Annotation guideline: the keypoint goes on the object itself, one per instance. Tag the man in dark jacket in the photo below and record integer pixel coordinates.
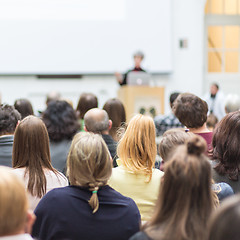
(97, 121)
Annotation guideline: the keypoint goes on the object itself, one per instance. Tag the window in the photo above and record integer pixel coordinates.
(223, 37)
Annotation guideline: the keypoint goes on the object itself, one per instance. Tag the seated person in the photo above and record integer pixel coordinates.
(138, 57)
(192, 113)
(185, 200)
(165, 122)
(176, 137)
(96, 120)
(86, 102)
(224, 222)
(24, 107)
(135, 177)
(232, 103)
(9, 118)
(211, 121)
(87, 209)
(116, 112)
(226, 154)
(62, 124)
(15, 218)
(31, 160)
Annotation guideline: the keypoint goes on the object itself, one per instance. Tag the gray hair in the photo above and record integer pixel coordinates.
(232, 103)
(96, 120)
(138, 54)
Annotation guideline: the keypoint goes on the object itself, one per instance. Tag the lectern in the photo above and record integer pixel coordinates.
(142, 99)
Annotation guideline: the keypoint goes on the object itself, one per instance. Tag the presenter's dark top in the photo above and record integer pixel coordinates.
(64, 213)
(124, 82)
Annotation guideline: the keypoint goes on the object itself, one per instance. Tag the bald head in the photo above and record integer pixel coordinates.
(96, 120)
(53, 96)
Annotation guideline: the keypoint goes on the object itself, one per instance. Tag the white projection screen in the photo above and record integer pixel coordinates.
(84, 36)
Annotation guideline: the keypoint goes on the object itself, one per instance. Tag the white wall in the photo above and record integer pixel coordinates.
(188, 23)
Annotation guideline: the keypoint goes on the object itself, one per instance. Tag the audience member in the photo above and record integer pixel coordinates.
(15, 218)
(215, 100)
(138, 57)
(224, 223)
(211, 122)
(175, 137)
(116, 112)
(96, 120)
(165, 122)
(86, 102)
(192, 113)
(24, 107)
(9, 118)
(185, 200)
(87, 209)
(226, 153)
(232, 103)
(31, 159)
(171, 139)
(53, 96)
(135, 176)
(62, 124)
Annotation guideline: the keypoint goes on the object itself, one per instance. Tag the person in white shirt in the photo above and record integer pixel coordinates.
(216, 101)
(15, 219)
(31, 159)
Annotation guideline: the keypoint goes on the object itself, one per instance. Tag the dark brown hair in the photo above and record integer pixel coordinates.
(24, 107)
(86, 102)
(190, 110)
(226, 142)
(185, 199)
(9, 118)
(60, 120)
(224, 223)
(31, 150)
(116, 112)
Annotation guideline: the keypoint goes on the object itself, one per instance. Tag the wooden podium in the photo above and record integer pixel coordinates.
(142, 99)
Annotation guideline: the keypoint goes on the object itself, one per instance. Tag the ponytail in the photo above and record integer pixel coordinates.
(93, 201)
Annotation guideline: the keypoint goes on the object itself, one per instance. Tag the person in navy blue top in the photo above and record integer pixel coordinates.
(88, 209)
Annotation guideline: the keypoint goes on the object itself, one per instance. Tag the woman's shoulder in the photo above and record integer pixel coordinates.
(56, 178)
(19, 171)
(157, 173)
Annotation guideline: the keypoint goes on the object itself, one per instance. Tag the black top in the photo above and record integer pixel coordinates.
(224, 178)
(124, 82)
(6, 145)
(64, 213)
(59, 152)
(112, 147)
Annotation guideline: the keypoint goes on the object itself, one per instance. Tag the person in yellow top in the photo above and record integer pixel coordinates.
(135, 177)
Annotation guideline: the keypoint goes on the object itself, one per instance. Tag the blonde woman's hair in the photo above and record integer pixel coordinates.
(137, 147)
(13, 203)
(89, 164)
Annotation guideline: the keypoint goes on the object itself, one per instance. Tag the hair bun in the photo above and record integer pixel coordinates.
(196, 145)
